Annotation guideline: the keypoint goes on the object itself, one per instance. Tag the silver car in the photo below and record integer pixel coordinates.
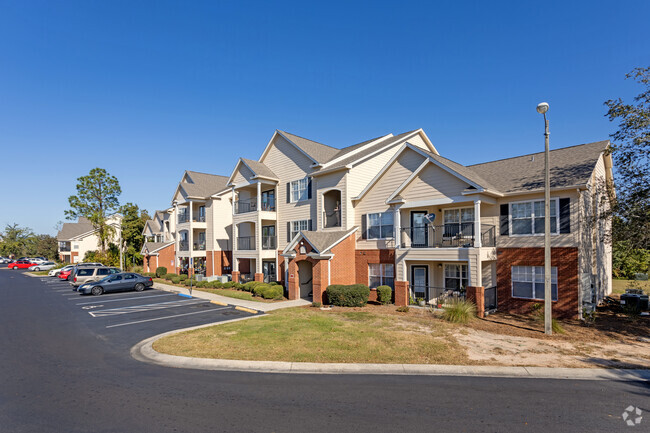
(45, 266)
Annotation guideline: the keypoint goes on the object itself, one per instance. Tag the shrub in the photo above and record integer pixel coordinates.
(176, 280)
(138, 269)
(272, 292)
(384, 294)
(216, 285)
(403, 309)
(355, 295)
(237, 286)
(228, 285)
(250, 286)
(149, 274)
(168, 277)
(183, 277)
(258, 289)
(316, 304)
(459, 311)
(160, 271)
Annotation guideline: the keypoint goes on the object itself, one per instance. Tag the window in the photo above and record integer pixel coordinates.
(528, 282)
(103, 271)
(380, 225)
(527, 218)
(129, 277)
(459, 221)
(297, 226)
(455, 277)
(299, 190)
(380, 275)
(85, 272)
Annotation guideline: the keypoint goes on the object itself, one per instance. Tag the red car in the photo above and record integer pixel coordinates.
(20, 264)
(65, 274)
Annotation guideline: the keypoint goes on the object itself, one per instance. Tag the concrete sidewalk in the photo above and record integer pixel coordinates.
(259, 306)
(144, 352)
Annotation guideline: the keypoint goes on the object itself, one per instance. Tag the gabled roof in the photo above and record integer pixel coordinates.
(153, 247)
(259, 169)
(150, 226)
(321, 241)
(319, 152)
(72, 230)
(201, 185)
(569, 166)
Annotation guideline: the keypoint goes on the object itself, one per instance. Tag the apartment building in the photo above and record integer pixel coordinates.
(393, 211)
(76, 239)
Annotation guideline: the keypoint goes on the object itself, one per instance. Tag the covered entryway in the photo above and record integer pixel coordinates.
(305, 278)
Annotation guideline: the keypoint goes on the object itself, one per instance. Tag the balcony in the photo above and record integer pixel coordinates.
(183, 246)
(331, 219)
(64, 248)
(198, 218)
(183, 218)
(446, 236)
(246, 243)
(245, 206)
(199, 246)
(268, 242)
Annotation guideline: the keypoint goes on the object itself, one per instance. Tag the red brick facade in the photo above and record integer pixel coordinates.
(365, 257)
(222, 263)
(477, 296)
(566, 261)
(164, 258)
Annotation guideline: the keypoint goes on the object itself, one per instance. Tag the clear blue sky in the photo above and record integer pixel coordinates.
(147, 90)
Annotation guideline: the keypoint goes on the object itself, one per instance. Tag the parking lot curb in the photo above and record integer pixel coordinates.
(247, 310)
(184, 295)
(219, 303)
(145, 352)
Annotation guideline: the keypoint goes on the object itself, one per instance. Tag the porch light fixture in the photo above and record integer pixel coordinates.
(548, 329)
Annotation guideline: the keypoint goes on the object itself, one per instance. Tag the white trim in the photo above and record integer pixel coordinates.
(322, 203)
(557, 217)
(435, 202)
(381, 272)
(278, 132)
(380, 225)
(291, 190)
(557, 287)
(460, 263)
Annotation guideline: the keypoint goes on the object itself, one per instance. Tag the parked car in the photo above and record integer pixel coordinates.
(4, 260)
(45, 266)
(86, 274)
(116, 283)
(38, 260)
(56, 271)
(71, 274)
(20, 264)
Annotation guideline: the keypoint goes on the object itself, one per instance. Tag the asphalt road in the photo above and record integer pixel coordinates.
(65, 370)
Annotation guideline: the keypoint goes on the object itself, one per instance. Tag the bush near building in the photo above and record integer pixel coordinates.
(354, 295)
(384, 294)
(160, 271)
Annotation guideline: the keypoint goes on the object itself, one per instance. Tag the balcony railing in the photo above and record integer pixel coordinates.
(183, 218)
(198, 218)
(331, 218)
(446, 236)
(244, 206)
(245, 278)
(246, 243)
(199, 246)
(183, 246)
(64, 248)
(441, 294)
(268, 242)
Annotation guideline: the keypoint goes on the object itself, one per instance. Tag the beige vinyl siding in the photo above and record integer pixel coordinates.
(219, 227)
(375, 199)
(464, 256)
(289, 164)
(243, 175)
(418, 141)
(557, 240)
(433, 182)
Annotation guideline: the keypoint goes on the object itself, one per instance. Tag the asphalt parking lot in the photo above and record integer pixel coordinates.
(124, 318)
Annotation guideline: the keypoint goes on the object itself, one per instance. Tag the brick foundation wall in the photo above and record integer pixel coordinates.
(244, 266)
(566, 261)
(342, 267)
(365, 257)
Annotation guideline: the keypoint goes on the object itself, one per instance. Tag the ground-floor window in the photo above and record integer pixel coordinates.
(528, 282)
(455, 277)
(380, 274)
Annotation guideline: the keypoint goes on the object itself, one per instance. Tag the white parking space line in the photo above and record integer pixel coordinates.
(126, 299)
(143, 308)
(166, 317)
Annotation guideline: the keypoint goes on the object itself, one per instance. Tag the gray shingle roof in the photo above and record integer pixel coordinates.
(569, 166)
(318, 151)
(153, 246)
(467, 173)
(203, 184)
(71, 230)
(323, 241)
(259, 168)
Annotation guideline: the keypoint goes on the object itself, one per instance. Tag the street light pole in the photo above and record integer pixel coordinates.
(548, 317)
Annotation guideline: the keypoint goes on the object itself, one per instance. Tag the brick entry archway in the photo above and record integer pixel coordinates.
(305, 278)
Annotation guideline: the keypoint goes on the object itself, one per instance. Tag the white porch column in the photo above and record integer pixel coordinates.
(233, 200)
(258, 230)
(477, 223)
(398, 226)
(190, 233)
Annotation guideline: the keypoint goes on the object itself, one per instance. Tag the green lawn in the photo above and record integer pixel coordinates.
(619, 286)
(39, 273)
(312, 335)
(231, 293)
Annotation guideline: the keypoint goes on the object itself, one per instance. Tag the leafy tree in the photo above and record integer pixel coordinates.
(97, 198)
(631, 152)
(43, 245)
(15, 240)
(133, 223)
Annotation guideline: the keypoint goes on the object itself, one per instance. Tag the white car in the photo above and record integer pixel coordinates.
(56, 271)
(38, 260)
(45, 266)
(4, 260)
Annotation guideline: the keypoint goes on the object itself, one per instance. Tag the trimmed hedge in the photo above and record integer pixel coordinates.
(176, 280)
(160, 271)
(384, 294)
(169, 277)
(354, 295)
(149, 274)
(183, 277)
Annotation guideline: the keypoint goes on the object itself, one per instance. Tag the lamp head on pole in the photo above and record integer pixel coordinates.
(542, 108)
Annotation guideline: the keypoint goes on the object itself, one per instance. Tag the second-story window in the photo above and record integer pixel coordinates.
(299, 190)
(297, 226)
(380, 225)
(527, 218)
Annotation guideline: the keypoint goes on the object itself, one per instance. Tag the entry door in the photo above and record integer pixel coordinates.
(419, 233)
(420, 282)
(268, 268)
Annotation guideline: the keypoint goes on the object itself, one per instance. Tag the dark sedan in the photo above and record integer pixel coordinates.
(117, 283)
